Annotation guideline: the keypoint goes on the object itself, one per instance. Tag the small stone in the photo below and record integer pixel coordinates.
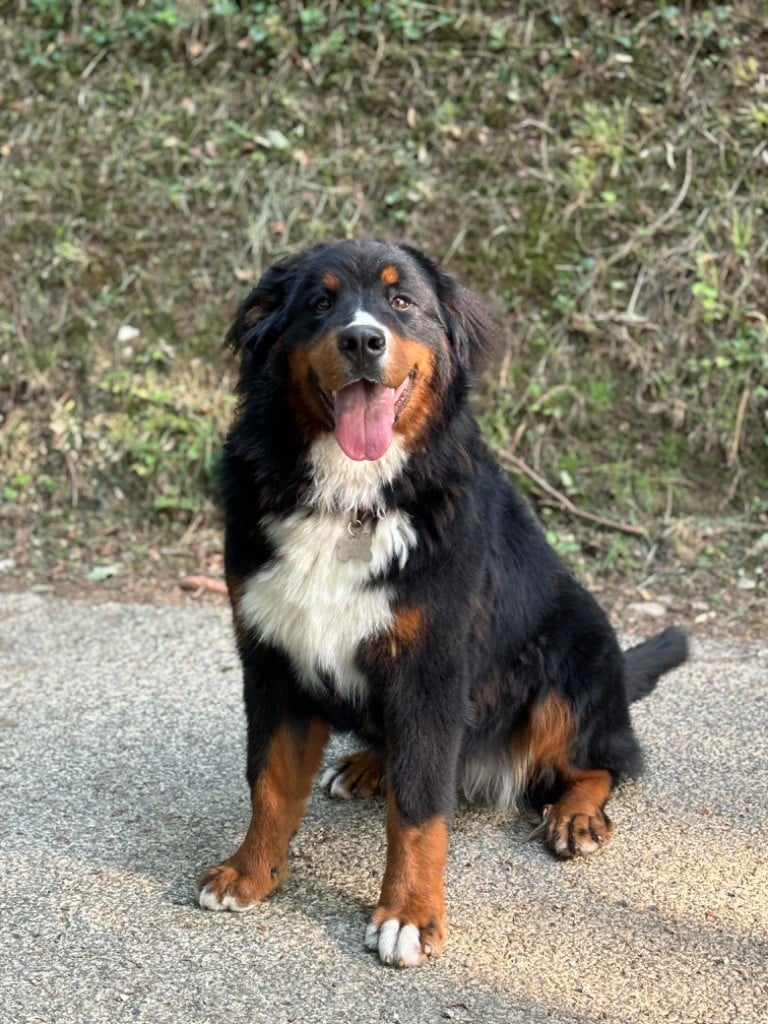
(746, 583)
(127, 333)
(653, 609)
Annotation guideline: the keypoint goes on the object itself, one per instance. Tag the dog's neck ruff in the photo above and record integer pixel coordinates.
(340, 485)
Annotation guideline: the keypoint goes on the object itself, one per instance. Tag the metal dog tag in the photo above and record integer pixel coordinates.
(357, 543)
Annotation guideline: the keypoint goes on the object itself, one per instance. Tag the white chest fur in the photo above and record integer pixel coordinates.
(317, 608)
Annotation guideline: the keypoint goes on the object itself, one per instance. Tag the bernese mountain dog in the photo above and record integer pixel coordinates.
(386, 579)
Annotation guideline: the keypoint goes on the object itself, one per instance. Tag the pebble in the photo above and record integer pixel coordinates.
(126, 333)
(653, 609)
(746, 583)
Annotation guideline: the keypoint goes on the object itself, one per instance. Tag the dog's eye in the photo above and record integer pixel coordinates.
(400, 302)
(322, 304)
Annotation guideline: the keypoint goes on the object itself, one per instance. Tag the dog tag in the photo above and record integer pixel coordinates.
(357, 543)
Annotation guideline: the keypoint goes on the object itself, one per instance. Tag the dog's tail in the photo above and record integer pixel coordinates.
(645, 663)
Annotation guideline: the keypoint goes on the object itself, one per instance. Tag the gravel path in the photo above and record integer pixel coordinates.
(121, 773)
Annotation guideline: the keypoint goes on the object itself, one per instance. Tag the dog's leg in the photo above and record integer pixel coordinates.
(409, 922)
(360, 774)
(279, 789)
(574, 822)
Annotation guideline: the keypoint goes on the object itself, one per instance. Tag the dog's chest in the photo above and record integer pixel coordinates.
(318, 608)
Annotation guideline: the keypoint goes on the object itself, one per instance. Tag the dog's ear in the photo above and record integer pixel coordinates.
(261, 317)
(471, 332)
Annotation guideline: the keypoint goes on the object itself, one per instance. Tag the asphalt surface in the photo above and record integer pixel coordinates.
(121, 775)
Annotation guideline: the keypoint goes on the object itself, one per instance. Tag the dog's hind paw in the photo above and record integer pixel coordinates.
(574, 834)
(359, 775)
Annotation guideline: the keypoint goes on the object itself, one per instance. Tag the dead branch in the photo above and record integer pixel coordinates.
(565, 502)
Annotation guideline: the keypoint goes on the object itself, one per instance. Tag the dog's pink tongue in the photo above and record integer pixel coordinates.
(364, 414)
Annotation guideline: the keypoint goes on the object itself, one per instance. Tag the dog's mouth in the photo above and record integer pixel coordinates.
(364, 413)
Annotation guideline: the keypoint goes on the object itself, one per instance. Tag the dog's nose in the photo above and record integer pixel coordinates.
(362, 340)
(362, 346)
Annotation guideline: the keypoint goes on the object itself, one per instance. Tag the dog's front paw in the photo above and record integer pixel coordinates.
(570, 833)
(224, 887)
(401, 942)
(357, 775)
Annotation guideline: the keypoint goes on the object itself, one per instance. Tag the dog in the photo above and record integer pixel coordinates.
(386, 579)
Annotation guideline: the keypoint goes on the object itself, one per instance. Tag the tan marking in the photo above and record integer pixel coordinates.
(586, 793)
(407, 625)
(404, 632)
(323, 358)
(413, 887)
(405, 356)
(390, 275)
(331, 282)
(550, 730)
(320, 360)
(278, 796)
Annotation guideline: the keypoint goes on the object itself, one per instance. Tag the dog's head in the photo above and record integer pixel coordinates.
(370, 340)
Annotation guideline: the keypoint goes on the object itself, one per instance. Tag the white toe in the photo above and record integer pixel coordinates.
(395, 944)
(561, 846)
(388, 940)
(339, 790)
(408, 951)
(208, 900)
(327, 777)
(333, 782)
(372, 936)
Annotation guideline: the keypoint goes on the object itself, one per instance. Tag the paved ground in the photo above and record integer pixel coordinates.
(121, 752)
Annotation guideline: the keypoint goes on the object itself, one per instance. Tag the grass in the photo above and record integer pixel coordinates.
(596, 171)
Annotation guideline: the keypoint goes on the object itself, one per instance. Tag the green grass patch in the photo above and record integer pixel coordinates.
(596, 172)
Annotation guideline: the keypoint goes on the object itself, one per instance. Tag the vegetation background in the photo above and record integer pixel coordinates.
(596, 170)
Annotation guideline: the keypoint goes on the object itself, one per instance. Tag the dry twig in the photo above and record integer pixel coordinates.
(733, 451)
(565, 502)
(203, 583)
